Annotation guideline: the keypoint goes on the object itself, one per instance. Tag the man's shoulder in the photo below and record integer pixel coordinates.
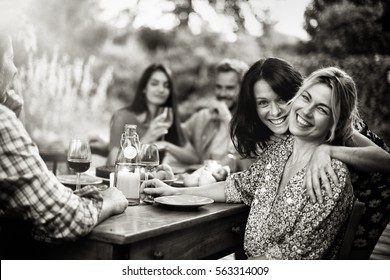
(10, 125)
(201, 115)
(6, 115)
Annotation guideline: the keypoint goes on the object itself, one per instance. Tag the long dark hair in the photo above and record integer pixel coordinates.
(139, 105)
(246, 129)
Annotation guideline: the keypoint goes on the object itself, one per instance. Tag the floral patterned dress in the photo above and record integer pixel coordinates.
(374, 190)
(288, 225)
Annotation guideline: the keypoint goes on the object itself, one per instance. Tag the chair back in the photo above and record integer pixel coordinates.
(52, 160)
(352, 225)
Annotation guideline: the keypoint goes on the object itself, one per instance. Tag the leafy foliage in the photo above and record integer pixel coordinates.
(347, 27)
(61, 91)
(70, 25)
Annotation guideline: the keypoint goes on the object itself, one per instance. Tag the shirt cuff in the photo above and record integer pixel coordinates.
(93, 193)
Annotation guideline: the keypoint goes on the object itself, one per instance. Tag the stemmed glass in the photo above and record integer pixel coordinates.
(79, 158)
(167, 114)
(149, 160)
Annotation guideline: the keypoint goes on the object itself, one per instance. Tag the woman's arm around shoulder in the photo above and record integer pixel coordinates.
(361, 154)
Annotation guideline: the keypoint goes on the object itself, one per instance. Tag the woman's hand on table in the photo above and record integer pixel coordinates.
(157, 188)
(318, 170)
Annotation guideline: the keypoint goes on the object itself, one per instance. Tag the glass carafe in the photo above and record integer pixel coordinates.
(127, 173)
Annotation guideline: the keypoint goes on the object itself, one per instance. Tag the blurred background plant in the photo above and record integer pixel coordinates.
(62, 98)
(78, 63)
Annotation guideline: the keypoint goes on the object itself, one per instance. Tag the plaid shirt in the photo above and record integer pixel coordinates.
(29, 190)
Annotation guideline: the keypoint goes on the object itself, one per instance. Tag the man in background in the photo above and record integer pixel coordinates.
(207, 130)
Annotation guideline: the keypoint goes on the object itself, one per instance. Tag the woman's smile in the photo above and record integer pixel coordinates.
(277, 121)
(302, 122)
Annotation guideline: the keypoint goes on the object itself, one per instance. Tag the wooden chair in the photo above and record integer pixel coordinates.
(349, 235)
(52, 159)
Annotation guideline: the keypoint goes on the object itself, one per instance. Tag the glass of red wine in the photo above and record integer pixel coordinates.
(79, 158)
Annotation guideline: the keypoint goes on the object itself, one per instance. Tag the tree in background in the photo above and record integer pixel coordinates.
(340, 27)
(72, 26)
(354, 35)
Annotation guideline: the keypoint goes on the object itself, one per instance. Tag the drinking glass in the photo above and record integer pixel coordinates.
(79, 158)
(167, 114)
(149, 160)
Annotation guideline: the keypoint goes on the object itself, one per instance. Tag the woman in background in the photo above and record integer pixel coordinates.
(154, 91)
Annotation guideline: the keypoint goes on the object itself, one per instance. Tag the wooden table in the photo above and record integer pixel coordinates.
(156, 232)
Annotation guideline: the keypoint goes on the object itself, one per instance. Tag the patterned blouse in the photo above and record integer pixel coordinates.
(372, 188)
(288, 225)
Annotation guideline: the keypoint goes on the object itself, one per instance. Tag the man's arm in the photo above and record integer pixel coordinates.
(186, 154)
(361, 153)
(30, 189)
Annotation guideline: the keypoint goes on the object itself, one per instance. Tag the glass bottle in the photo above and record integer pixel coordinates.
(127, 173)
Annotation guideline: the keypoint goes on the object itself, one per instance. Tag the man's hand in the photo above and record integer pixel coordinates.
(114, 202)
(219, 111)
(14, 102)
(318, 170)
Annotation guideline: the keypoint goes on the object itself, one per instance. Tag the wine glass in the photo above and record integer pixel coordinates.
(79, 158)
(167, 119)
(149, 160)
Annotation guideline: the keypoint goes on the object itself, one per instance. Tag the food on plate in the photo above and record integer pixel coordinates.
(206, 178)
(160, 175)
(168, 171)
(163, 172)
(220, 174)
(210, 173)
(165, 167)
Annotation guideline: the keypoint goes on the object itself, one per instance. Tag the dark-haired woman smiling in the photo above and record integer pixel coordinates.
(155, 90)
(283, 223)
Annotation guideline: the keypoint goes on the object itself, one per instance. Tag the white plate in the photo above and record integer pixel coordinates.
(183, 201)
(84, 180)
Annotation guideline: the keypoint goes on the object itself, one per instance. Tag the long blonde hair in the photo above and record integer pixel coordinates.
(343, 101)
